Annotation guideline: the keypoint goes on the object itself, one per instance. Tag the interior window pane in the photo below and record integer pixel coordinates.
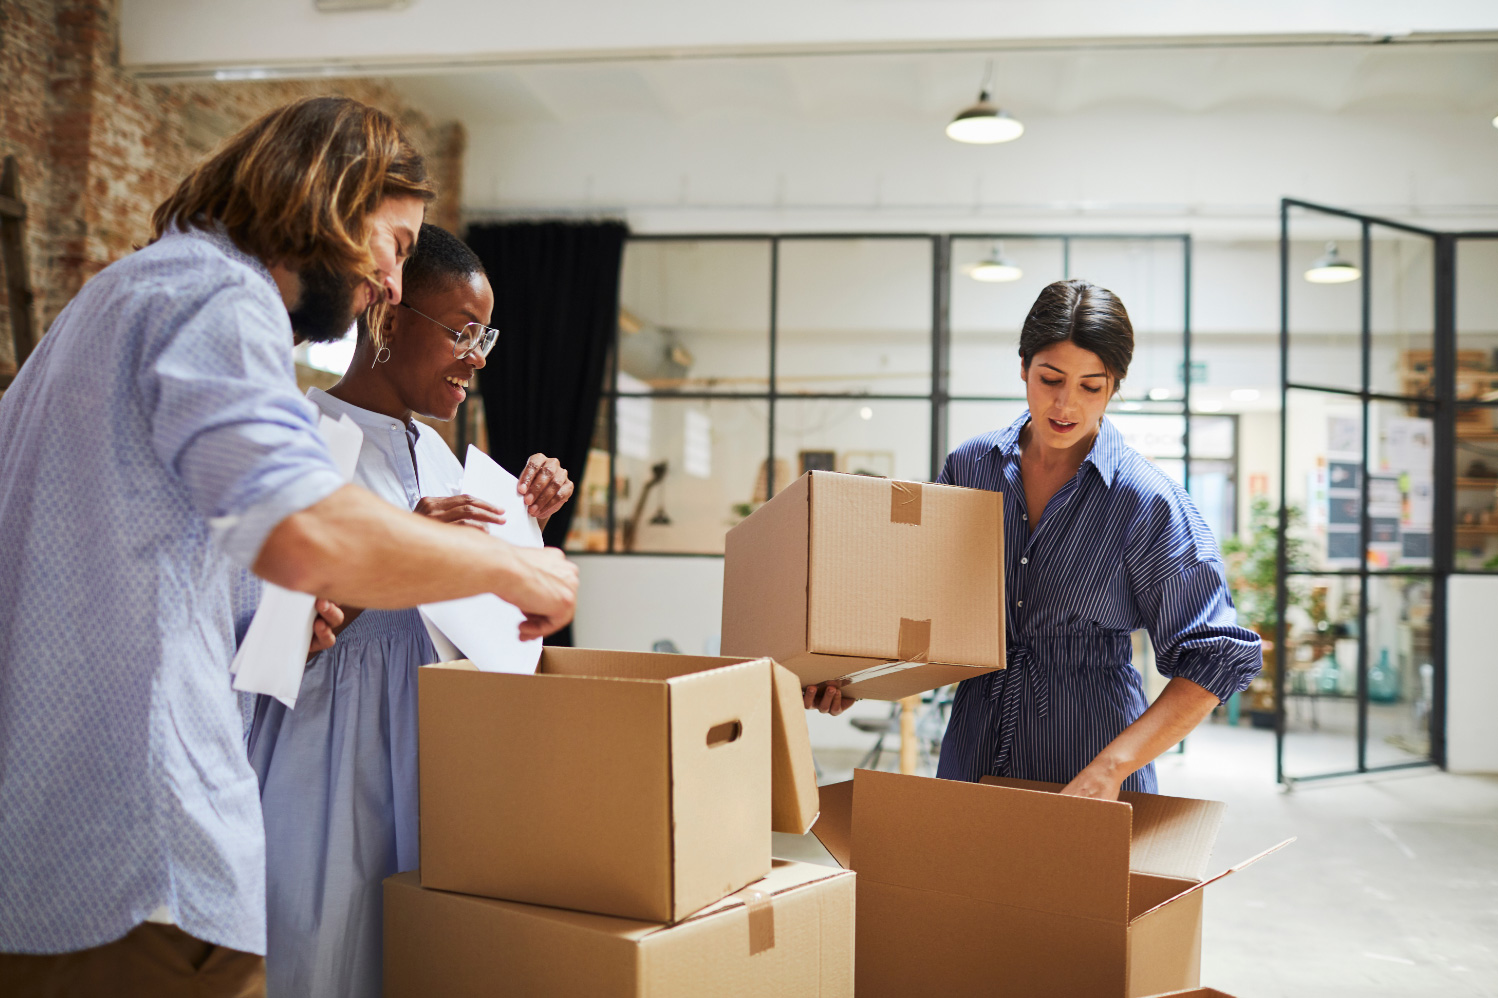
(1324, 478)
(1477, 304)
(695, 316)
(1477, 319)
(966, 420)
(885, 438)
(687, 470)
(985, 317)
(854, 316)
(1401, 484)
(1321, 684)
(1402, 316)
(1148, 276)
(1477, 488)
(1325, 319)
(1400, 670)
(1214, 437)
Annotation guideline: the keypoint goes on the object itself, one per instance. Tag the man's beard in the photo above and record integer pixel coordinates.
(325, 310)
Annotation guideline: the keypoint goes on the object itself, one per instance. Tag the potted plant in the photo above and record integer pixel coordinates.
(1250, 559)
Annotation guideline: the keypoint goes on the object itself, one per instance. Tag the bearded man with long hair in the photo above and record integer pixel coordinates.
(155, 446)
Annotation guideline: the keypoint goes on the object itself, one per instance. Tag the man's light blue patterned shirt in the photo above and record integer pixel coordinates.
(147, 448)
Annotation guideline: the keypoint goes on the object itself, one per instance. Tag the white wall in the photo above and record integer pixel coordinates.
(1471, 675)
(629, 603)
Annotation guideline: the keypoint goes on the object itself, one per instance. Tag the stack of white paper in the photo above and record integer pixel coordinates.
(484, 628)
(273, 655)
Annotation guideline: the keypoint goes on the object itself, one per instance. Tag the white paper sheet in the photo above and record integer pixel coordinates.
(484, 628)
(273, 655)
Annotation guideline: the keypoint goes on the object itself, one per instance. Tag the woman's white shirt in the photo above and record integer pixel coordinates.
(385, 466)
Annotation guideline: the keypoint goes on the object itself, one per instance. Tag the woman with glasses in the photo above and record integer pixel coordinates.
(338, 774)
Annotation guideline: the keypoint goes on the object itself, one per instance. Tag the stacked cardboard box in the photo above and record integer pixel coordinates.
(603, 827)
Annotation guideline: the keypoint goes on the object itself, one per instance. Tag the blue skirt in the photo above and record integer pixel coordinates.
(338, 790)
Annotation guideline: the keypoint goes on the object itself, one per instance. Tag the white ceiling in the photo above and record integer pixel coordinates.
(1461, 77)
(1164, 137)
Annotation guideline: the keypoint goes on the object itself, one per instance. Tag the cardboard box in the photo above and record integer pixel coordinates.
(1008, 888)
(638, 785)
(789, 935)
(885, 588)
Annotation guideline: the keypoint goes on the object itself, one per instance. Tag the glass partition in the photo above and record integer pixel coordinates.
(1363, 566)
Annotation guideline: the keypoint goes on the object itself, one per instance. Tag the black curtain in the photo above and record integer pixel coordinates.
(556, 305)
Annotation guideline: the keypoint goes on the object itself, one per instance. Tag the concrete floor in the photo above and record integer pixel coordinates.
(1390, 890)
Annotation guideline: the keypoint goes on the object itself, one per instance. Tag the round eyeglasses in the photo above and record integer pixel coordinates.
(475, 337)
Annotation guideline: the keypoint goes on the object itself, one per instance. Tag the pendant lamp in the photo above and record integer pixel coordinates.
(1332, 269)
(996, 268)
(985, 123)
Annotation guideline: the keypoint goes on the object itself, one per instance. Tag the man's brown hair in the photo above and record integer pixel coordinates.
(296, 187)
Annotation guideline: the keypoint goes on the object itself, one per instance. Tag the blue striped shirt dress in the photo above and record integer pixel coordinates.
(1119, 547)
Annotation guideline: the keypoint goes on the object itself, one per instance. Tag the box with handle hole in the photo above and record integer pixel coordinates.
(630, 784)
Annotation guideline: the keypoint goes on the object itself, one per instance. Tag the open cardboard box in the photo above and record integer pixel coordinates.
(789, 935)
(1008, 888)
(885, 588)
(638, 785)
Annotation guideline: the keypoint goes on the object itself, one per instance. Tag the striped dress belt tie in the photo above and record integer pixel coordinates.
(1021, 669)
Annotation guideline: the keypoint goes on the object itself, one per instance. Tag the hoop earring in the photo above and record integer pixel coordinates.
(381, 356)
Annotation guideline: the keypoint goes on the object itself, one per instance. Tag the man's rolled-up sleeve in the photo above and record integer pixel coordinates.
(227, 418)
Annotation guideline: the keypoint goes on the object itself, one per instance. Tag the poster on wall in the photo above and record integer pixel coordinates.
(1342, 505)
(1385, 504)
(1408, 455)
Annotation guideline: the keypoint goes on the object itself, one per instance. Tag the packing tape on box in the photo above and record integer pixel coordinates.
(914, 642)
(761, 908)
(913, 646)
(905, 503)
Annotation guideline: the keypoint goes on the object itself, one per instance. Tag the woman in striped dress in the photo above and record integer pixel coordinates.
(1098, 543)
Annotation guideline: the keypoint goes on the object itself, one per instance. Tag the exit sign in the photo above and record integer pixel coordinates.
(1198, 372)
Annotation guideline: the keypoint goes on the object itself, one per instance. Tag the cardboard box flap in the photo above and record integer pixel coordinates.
(834, 829)
(1212, 880)
(1060, 855)
(596, 663)
(784, 876)
(1169, 837)
(1173, 836)
(793, 771)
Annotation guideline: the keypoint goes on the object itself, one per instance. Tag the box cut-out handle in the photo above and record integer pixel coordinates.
(722, 734)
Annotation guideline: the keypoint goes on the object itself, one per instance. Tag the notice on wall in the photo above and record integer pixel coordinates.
(1409, 455)
(1343, 507)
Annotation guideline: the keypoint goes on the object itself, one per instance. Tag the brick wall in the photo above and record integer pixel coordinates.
(98, 149)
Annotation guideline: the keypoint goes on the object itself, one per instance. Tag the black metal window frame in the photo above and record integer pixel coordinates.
(938, 396)
(1443, 406)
